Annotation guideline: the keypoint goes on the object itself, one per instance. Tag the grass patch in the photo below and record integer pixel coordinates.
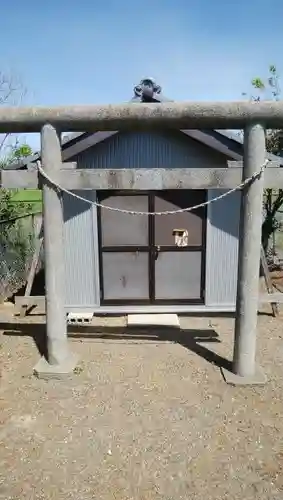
(27, 196)
(31, 197)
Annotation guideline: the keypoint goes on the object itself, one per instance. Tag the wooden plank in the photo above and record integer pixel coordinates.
(35, 258)
(269, 298)
(37, 304)
(39, 240)
(32, 272)
(142, 179)
(268, 282)
(31, 300)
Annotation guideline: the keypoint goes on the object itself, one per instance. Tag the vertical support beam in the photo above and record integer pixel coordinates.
(244, 367)
(59, 360)
(56, 326)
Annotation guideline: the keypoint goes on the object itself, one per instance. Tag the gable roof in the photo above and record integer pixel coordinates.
(228, 143)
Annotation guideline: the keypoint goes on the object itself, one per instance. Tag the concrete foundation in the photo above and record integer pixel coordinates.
(65, 369)
(257, 378)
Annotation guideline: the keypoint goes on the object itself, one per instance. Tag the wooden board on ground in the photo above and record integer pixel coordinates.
(36, 304)
(33, 268)
(31, 304)
(271, 298)
(268, 283)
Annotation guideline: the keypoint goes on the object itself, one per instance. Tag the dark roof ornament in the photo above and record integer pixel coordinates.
(147, 89)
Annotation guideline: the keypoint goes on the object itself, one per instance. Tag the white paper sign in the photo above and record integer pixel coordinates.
(181, 240)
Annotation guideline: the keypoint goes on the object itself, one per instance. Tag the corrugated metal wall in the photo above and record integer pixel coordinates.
(149, 150)
(81, 251)
(222, 249)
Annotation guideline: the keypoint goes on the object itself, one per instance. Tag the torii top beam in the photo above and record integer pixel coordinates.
(145, 116)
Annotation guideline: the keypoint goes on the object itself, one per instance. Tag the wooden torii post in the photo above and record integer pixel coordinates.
(253, 118)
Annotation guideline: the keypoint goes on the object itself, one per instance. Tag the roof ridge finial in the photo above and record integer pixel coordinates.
(147, 87)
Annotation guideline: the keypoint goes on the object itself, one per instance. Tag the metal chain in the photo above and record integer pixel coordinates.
(256, 175)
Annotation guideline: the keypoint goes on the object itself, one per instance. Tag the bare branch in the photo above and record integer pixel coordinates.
(2, 142)
(11, 89)
(12, 92)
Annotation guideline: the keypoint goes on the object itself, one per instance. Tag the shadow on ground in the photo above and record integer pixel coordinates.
(38, 286)
(188, 338)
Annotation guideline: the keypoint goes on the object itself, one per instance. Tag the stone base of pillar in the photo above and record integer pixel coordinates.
(46, 371)
(259, 378)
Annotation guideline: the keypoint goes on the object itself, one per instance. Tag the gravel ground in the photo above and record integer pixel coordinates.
(146, 416)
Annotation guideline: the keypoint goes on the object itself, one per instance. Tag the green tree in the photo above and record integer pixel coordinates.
(11, 233)
(8, 209)
(267, 89)
(15, 236)
(15, 154)
(12, 148)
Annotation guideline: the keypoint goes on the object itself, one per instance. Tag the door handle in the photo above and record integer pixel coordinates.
(156, 253)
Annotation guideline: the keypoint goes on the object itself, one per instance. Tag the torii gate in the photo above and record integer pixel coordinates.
(253, 117)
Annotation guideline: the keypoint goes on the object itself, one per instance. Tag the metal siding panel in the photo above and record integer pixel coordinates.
(81, 251)
(149, 150)
(222, 249)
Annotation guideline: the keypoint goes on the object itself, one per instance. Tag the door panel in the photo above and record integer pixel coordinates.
(140, 259)
(179, 270)
(166, 224)
(178, 276)
(125, 275)
(119, 229)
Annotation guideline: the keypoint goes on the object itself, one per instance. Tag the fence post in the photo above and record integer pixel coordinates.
(60, 361)
(244, 367)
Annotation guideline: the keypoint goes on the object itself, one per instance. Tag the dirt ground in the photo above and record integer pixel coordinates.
(146, 416)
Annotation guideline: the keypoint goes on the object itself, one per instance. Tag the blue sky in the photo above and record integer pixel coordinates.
(81, 52)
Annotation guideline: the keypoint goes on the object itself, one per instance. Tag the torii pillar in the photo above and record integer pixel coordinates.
(60, 361)
(245, 371)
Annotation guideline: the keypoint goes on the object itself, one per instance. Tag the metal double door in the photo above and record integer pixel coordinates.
(152, 259)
